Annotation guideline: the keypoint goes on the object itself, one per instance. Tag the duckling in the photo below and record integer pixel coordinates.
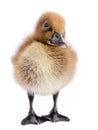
(44, 64)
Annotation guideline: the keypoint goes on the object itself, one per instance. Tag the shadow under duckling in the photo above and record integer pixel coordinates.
(44, 64)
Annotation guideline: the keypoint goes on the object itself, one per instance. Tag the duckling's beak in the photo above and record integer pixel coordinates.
(58, 40)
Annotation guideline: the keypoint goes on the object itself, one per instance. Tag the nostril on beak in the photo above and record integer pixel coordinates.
(56, 38)
(57, 35)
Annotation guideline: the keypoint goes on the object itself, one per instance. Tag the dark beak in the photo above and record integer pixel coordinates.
(57, 40)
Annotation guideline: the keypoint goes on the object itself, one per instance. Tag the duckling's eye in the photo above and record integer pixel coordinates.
(46, 25)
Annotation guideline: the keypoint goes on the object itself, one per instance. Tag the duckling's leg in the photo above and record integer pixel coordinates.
(32, 118)
(54, 116)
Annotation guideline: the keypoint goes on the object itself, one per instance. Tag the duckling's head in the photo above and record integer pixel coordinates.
(50, 29)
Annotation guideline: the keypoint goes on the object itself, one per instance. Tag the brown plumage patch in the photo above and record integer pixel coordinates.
(57, 24)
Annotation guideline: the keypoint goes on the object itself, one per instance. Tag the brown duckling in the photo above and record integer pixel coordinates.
(44, 64)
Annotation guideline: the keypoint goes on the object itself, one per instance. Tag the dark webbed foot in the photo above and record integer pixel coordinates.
(33, 119)
(55, 117)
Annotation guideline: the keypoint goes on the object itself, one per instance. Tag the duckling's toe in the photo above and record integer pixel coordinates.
(55, 117)
(33, 119)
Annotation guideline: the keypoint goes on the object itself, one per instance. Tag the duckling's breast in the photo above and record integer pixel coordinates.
(43, 69)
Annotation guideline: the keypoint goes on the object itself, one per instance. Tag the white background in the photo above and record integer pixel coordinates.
(79, 100)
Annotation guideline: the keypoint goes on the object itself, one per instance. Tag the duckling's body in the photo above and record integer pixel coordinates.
(44, 69)
(44, 64)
